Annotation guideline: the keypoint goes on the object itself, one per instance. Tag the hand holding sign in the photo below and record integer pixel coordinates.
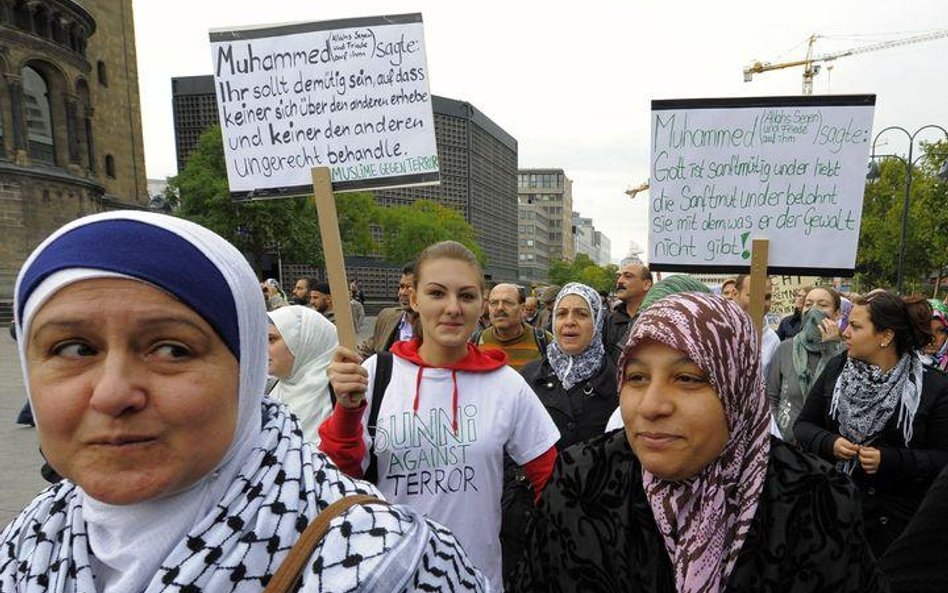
(336, 105)
(348, 378)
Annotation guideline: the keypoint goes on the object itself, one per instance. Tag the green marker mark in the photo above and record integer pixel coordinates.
(745, 254)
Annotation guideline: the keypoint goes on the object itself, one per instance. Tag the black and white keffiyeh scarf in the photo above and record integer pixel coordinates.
(865, 398)
(241, 543)
(231, 529)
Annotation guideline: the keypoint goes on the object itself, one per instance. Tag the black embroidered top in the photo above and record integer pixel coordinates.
(595, 531)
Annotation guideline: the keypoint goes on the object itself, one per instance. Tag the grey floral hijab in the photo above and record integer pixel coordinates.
(574, 369)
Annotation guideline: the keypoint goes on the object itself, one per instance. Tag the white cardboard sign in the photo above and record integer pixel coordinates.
(351, 95)
(787, 169)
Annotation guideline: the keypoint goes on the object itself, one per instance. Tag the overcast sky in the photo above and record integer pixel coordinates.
(574, 86)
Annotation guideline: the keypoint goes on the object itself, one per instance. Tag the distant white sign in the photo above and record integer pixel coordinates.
(787, 169)
(351, 95)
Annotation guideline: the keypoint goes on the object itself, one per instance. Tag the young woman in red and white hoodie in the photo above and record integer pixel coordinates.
(448, 414)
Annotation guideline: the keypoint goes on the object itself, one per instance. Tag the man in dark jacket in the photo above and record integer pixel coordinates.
(793, 323)
(393, 323)
(633, 282)
(547, 298)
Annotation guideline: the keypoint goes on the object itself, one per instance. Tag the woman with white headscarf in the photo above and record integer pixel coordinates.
(575, 381)
(301, 345)
(142, 341)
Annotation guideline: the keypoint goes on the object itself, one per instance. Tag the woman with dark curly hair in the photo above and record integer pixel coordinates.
(880, 415)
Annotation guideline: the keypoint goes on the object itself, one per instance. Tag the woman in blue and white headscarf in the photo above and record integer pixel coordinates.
(144, 351)
(575, 380)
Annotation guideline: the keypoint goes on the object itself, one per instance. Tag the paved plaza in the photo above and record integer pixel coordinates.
(20, 460)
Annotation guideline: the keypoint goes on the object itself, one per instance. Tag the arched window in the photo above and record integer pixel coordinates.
(39, 122)
(103, 74)
(56, 30)
(3, 152)
(110, 166)
(21, 16)
(41, 22)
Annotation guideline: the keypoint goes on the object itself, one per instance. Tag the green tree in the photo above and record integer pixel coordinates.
(926, 239)
(585, 270)
(288, 225)
(409, 229)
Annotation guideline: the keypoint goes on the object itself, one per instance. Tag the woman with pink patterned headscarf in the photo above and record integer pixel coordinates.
(694, 496)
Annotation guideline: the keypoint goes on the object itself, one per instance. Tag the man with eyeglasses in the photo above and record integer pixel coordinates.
(521, 341)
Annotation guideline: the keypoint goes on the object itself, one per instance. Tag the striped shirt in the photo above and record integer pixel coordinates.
(520, 350)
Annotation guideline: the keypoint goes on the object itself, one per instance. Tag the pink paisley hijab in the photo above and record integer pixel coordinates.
(704, 520)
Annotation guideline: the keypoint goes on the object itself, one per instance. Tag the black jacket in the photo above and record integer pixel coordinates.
(890, 496)
(790, 326)
(595, 531)
(580, 413)
(615, 332)
(917, 562)
(578, 416)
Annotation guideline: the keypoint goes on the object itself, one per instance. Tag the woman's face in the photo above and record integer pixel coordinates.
(673, 417)
(135, 394)
(941, 335)
(448, 301)
(820, 298)
(280, 359)
(573, 324)
(863, 342)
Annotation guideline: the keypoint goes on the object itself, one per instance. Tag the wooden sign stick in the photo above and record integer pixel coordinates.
(332, 252)
(758, 280)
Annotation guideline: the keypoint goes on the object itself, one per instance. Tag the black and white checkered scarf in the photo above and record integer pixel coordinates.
(865, 398)
(241, 543)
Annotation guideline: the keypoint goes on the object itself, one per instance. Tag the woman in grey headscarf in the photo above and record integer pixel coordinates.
(575, 380)
(880, 415)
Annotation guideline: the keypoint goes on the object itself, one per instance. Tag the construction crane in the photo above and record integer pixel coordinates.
(811, 63)
(634, 190)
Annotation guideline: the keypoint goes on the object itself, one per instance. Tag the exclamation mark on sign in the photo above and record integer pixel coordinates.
(746, 253)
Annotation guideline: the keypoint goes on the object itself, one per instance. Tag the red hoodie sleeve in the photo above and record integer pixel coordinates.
(341, 439)
(538, 471)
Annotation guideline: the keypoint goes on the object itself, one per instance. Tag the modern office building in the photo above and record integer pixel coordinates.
(194, 108)
(70, 121)
(552, 190)
(603, 247)
(586, 239)
(533, 230)
(583, 235)
(478, 161)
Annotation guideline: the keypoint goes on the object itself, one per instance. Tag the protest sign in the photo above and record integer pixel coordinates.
(351, 95)
(787, 169)
(785, 288)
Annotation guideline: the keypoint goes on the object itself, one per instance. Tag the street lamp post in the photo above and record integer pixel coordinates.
(909, 163)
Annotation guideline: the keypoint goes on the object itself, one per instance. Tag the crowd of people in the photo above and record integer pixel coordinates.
(558, 439)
